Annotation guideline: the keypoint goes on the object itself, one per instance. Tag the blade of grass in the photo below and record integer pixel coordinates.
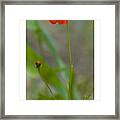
(70, 89)
(49, 41)
(47, 73)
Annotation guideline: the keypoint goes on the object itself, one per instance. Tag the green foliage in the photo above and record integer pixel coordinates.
(47, 73)
(32, 57)
(86, 90)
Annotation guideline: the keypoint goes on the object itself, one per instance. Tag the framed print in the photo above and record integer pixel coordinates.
(60, 59)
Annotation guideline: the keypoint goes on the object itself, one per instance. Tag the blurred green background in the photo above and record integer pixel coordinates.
(48, 43)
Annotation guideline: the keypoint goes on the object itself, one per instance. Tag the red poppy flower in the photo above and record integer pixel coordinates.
(53, 21)
(58, 21)
(63, 21)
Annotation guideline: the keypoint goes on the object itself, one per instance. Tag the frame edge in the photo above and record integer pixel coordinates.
(117, 8)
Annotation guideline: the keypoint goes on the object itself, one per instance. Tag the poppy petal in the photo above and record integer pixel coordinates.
(63, 21)
(53, 21)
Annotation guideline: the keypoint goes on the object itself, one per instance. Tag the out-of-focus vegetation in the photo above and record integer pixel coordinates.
(48, 43)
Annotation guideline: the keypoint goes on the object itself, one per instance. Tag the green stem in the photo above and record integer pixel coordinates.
(50, 90)
(70, 62)
(47, 85)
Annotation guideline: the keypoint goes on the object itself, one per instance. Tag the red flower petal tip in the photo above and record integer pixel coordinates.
(53, 21)
(63, 21)
(58, 21)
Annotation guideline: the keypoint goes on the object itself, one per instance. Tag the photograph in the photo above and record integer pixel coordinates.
(62, 63)
(59, 59)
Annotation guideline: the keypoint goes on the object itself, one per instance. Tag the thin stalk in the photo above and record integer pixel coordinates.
(70, 62)
(47, 85)
(49, 89)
